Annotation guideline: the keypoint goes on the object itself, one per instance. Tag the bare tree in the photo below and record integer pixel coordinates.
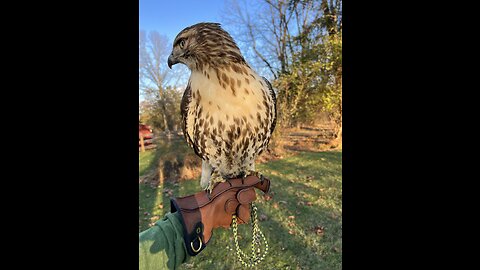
(254, 34)
(299, 43)
(157, 82)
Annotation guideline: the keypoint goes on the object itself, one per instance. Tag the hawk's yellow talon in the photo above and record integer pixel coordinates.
(216, 178)
(254, 173)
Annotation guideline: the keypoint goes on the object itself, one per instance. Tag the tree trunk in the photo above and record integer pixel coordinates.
(164, 116)
(339, 133)
(165, 123)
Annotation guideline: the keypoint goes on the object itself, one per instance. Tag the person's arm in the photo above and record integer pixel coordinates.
(187, 230)
(162, 246)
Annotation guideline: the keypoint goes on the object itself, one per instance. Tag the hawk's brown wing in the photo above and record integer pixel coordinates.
(186, 99)
(274, 98)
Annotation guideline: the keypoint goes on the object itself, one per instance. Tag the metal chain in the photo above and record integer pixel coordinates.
(255, 257)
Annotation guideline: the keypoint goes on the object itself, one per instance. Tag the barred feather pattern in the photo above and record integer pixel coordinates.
(228, 110)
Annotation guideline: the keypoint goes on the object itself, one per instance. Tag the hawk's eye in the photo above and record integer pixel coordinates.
(182, 43)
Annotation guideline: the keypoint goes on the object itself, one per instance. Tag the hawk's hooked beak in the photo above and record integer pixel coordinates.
(172, 61)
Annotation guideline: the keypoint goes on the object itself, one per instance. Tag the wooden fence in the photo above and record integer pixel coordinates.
(145, 143)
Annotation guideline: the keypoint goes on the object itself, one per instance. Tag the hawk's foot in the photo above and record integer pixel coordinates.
(214, 180)
(255, 173)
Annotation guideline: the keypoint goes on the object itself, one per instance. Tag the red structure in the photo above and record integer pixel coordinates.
(146, 132)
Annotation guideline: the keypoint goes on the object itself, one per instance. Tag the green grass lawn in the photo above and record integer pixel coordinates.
(146, 161)
(303, 222)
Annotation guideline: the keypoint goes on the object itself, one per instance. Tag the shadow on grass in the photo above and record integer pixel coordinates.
(160, 180)
(296, 247)
(153, 162)
(149, 211)
(303, 216)
(294, 226)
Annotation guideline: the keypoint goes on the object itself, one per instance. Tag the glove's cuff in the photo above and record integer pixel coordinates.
(194, 240)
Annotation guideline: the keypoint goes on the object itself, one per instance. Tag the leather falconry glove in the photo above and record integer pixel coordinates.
(202, 212)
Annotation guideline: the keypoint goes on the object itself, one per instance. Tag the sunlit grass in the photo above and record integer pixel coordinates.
(146, 159)
(303, 217)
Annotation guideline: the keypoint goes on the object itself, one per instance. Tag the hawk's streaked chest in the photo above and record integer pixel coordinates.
(229, 116)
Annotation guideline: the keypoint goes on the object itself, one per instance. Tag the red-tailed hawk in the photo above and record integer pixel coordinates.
(228, 110)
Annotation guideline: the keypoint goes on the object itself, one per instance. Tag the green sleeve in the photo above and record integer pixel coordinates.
(162, 246)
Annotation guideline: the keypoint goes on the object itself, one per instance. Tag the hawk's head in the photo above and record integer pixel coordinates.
(202, 45)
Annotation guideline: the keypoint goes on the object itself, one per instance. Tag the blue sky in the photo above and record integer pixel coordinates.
(170, 17)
